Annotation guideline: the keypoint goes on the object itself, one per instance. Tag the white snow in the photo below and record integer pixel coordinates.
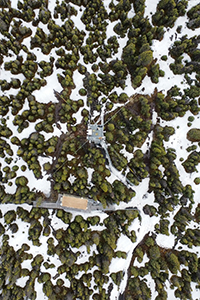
(151, 284)
(177, 141)
(150, 8)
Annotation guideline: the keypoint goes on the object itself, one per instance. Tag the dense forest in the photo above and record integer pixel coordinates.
(64, 64)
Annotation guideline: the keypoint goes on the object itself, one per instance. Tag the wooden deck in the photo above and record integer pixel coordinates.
(74, 202)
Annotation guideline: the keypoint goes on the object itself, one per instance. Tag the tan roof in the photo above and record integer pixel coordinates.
(74, 202)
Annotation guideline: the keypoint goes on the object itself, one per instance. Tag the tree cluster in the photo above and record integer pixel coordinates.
(194, 19)
(183, 266)
(190, 47)
(170, 107)
(168, 11)
(191, 162)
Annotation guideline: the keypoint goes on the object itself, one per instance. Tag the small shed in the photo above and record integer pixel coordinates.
(74, 202)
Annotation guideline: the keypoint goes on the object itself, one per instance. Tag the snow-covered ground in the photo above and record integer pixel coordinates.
(177, 141)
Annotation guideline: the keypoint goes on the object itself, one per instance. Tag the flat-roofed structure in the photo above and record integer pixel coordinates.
(74, 202)
(95, 133)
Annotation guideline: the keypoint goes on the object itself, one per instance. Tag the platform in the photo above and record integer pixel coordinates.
(69, 201)
(95, 133)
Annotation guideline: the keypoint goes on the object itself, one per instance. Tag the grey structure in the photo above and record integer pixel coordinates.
(92, 206)
(95, 133)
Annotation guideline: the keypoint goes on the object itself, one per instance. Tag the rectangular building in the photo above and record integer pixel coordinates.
(74, 202)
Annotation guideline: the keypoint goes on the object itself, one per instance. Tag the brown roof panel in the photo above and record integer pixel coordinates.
(74, 202)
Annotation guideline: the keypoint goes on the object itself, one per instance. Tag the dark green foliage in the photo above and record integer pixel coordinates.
(66, 111)
(5, 131)
(5, 3)
(37, 261)
(5, 149)
(138, 289)
(181, 46)
(139, 6)
(173, 263)
(193, 135)
(14, 228)
(138, 170)
(46, 231)
(191, 162)
(2, 230)
(44, 15)
(149, 210)
(117, 277)
(4, 105)
(170, 186)
(182, 219)
(135, 63)
(23, 214)
(10, 216)
(126, 131)
(155, 73)
(35, 231)
(168, 11)
(14, 66)
(189, 46)
(89, 14)
(82, 92)
(164, 57)
(193, 15)
(191, 238)
(167, 132)
(21, 181)
(29, 150)
(174, 91)
(5, 85)
(145, 59)
(47, 68)
(160, 260)
(137, 54)
(20, 32)
(197, 213)
(193, 92)
(197, 180)
(169, 107)
(164, 227)
(64, 216)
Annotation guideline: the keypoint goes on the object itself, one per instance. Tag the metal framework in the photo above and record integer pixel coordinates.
(95, 133)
